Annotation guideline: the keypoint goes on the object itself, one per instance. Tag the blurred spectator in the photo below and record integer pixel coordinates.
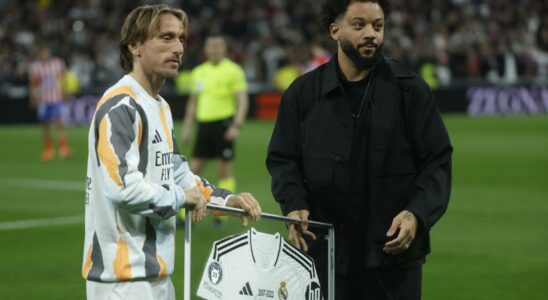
(319, 56)
(285, 75)
(455, 41)
(539, 51)
(83, 66)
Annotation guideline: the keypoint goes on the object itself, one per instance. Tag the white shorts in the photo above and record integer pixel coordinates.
(157, 289)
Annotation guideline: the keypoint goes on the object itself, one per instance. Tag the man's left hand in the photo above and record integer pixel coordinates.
(232, 133)
(247, 202)
(406, 224)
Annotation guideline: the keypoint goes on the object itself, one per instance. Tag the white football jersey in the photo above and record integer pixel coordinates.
(259, 266)
(134, 187)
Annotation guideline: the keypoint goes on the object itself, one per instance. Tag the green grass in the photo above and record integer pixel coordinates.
(491, 244)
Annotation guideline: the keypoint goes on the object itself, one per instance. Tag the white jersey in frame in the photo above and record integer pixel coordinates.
(258, 266)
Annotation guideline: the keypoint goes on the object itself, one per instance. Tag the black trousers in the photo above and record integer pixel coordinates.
(383, 283)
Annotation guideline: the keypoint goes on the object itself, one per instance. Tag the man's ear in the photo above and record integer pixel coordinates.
(334, 31)
(134, 49)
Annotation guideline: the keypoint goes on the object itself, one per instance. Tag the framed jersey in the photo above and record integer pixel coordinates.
(256, 265)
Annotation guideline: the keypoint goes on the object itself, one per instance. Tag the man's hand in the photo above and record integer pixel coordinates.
(232, 133)
(296, 232)
(185, 135)
(247, 202)
(407, 224)
(195, 200)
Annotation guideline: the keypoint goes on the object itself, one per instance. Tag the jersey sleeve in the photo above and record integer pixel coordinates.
(220, 276)
(117, 146)
(186, 179)
(214, 280)
(304, 266)
(194, 81)
(239, 83)
(313, 289)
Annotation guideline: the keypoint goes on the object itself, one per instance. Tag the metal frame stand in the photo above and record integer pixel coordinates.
(240, 212)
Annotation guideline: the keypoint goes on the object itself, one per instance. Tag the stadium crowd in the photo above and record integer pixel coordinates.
(447, 42)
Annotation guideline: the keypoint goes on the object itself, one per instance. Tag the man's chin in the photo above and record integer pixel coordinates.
(366, 62)
(367, 53)
(169, 74)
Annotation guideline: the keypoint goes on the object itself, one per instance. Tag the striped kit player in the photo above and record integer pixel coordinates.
(47, 95)
(260, 266)
(135, 183)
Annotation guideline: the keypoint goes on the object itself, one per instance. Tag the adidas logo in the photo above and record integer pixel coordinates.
(246, 290)
(157, 138)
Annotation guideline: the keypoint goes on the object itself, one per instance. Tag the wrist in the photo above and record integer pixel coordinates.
(180, 197)
(219, 201)
(231, 201)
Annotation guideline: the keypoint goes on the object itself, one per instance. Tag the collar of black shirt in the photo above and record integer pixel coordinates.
(331, 79)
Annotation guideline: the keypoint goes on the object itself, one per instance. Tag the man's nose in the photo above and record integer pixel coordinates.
(368, 32)
(179, 48)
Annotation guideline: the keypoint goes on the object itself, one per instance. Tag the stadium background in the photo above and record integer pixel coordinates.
(487, 62)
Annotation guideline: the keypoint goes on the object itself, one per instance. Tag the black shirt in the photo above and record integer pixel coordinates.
(355, 92)
(360, 96)
(353, 171)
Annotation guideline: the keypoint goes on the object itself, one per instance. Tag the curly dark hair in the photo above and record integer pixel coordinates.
(332, 9)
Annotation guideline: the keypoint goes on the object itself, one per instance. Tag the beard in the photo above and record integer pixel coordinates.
(361, 61)
(168, 72)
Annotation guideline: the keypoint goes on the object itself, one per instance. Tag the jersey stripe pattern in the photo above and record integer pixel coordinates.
(256, 265)
(47, 76)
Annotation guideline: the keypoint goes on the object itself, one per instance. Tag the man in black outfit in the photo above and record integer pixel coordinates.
(359, 142)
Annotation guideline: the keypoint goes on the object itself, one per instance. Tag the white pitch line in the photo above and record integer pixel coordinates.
(65, 185)
(41, 222)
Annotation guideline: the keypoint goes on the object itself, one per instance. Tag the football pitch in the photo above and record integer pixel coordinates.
(491, 244)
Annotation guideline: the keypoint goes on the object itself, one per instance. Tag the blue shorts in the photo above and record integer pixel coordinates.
(49, 111)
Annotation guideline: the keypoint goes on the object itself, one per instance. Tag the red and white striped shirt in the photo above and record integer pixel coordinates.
(47, 76)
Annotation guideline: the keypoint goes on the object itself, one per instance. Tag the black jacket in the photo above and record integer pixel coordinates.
(408, 158)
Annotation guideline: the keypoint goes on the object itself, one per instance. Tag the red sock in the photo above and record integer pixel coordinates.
(63, 142)
(47, 143)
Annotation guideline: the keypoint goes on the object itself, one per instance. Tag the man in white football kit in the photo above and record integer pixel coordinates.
(260, 266)
(136, 178)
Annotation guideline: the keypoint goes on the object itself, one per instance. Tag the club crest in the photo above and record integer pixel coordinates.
(215, 272)
(283, 294)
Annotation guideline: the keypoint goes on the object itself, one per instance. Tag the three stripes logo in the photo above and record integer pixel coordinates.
(246, 290)
(157, 138)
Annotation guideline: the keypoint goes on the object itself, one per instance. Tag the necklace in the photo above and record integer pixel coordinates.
(357, 115)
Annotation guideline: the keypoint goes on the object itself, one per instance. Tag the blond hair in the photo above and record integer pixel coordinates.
(140, 24)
